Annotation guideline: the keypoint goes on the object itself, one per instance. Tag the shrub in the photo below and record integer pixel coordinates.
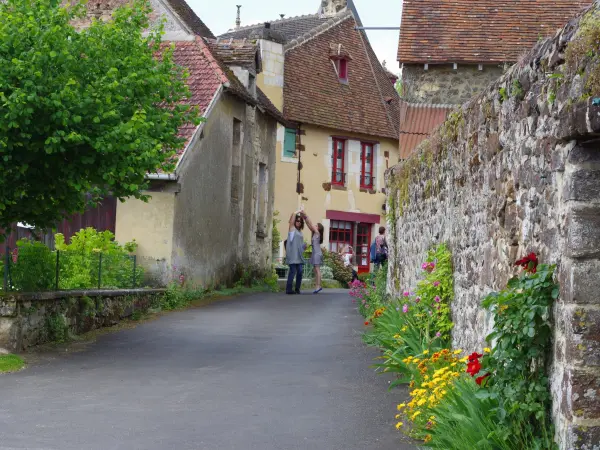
(341, 272)
(326, 273)
(32, 267)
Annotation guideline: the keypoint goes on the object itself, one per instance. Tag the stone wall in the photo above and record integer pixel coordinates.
(440, 84)
(516, 170)
(27, 320)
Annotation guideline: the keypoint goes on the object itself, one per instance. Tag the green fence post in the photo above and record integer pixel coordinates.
(100, 271)
(6, 262)
(134, 268)
(57, 269)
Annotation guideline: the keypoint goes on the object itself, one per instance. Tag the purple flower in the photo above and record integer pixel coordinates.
(438, 307)
(406, 293)
(417, 300)
(436, 283)
(437, 299)
(405, 308)
(438, 334)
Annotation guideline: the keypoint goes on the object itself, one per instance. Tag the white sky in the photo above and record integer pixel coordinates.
(219, 16)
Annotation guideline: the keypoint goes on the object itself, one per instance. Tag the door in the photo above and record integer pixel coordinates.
(363, 244)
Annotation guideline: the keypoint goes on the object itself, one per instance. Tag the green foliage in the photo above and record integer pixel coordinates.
(57, 328)
(276, 235)
(503, 95)
(85, 113)
(35, 267)
(582, 54)
(341, 272)
(326, 273)
(11, 363)
(93, 253)
(438, 284)
(519, 362)
(517, 90)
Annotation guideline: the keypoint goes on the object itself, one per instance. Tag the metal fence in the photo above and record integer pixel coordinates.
(282, 269)
(37, 268)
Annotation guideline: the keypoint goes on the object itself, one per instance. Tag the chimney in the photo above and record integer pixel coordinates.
(238, 19)
(330, 8)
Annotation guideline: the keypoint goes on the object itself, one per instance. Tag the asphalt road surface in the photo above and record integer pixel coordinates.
(257, 372)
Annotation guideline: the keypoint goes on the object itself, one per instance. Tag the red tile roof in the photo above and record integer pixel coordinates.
(417, 122)
(313, 93)
(478, 31)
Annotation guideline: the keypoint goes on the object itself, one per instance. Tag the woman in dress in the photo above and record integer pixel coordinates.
(316, 258)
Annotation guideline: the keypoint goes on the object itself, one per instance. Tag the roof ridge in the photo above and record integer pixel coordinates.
(319, 29)
(278, 21)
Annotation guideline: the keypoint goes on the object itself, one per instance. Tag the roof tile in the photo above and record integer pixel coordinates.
(478, 31)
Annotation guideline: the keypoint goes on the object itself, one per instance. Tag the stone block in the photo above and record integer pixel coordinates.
(583, 437)
(584, 155)
(585, 394)
(583, 232)
(583, 185)
(583, 336)
(8, 307)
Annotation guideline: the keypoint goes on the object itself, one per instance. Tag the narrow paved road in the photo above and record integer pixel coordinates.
(259, 372)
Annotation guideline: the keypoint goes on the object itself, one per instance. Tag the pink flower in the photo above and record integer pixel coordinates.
(417, 300)
(424, 266)
(405, 308)
(438, 334)
(367, 306)
(438, 307)
(406, 293)
(437, 299)
(436, 283)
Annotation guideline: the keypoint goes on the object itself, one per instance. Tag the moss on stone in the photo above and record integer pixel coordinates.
(582, 54)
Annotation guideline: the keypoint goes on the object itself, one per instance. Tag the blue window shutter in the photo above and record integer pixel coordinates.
(289, 143)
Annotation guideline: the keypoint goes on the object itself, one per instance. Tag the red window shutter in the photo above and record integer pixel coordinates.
(343, 69)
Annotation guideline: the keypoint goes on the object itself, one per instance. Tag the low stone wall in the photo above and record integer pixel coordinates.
(27, 320)
(516, 170)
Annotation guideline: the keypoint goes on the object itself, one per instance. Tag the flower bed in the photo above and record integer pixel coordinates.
(497, 398)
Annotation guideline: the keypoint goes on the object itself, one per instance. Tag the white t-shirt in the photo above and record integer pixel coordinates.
(347, 259)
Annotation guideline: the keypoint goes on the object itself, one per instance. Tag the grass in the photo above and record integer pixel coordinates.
(11, 363)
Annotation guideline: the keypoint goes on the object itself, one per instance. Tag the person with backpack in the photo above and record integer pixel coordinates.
(381, 248)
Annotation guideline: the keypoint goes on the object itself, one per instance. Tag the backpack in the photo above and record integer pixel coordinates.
(373, 252)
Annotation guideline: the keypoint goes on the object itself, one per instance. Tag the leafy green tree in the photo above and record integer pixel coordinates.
(83, 113)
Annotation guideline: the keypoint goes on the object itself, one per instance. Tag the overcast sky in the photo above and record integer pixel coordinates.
(219, 16)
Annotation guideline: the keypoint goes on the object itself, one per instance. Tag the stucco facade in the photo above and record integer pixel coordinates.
(217, 216)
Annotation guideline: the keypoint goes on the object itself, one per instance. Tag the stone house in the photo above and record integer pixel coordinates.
(323, 73)
(450, 51)
(214, 213)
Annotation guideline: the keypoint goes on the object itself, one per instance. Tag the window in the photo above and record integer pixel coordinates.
(340, 235)
(236, 159)
(342, 67)
(262, 200)
(338, 176)
(366, 169)
(289, 143)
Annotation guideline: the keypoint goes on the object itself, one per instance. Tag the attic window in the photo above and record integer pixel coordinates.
(342, 70)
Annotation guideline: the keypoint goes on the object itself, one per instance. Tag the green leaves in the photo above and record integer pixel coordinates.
(94, 108)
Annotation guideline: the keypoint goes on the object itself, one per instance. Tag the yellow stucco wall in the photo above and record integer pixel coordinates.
(151, 225)
(316, 171)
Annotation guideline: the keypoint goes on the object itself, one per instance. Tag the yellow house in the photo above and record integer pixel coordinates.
(322, 72)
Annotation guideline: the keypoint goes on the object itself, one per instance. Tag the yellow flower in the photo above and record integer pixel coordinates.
(487, 350)
(404, 328)
(421, 402)
(427, 438)
(401, 405)
(464, 360)
(399, 425)
(398, 416)
(425, 352)
(414, 416)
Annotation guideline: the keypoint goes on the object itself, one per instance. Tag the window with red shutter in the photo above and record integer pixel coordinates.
(343, 69)
(366, 171)
(338, 175)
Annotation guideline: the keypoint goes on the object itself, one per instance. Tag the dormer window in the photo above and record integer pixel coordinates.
(340, 58)
(342, 66)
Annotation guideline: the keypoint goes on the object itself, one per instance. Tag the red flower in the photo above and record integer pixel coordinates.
(366, 323)
(474, 366)
(528, 263)
(479, 380)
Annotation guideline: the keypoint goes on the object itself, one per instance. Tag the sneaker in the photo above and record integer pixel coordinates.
(317, 291)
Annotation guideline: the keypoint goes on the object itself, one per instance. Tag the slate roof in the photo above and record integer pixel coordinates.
(478, 31)
(289, 28)
(417, 122)
(235, 52)
(313, 94)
